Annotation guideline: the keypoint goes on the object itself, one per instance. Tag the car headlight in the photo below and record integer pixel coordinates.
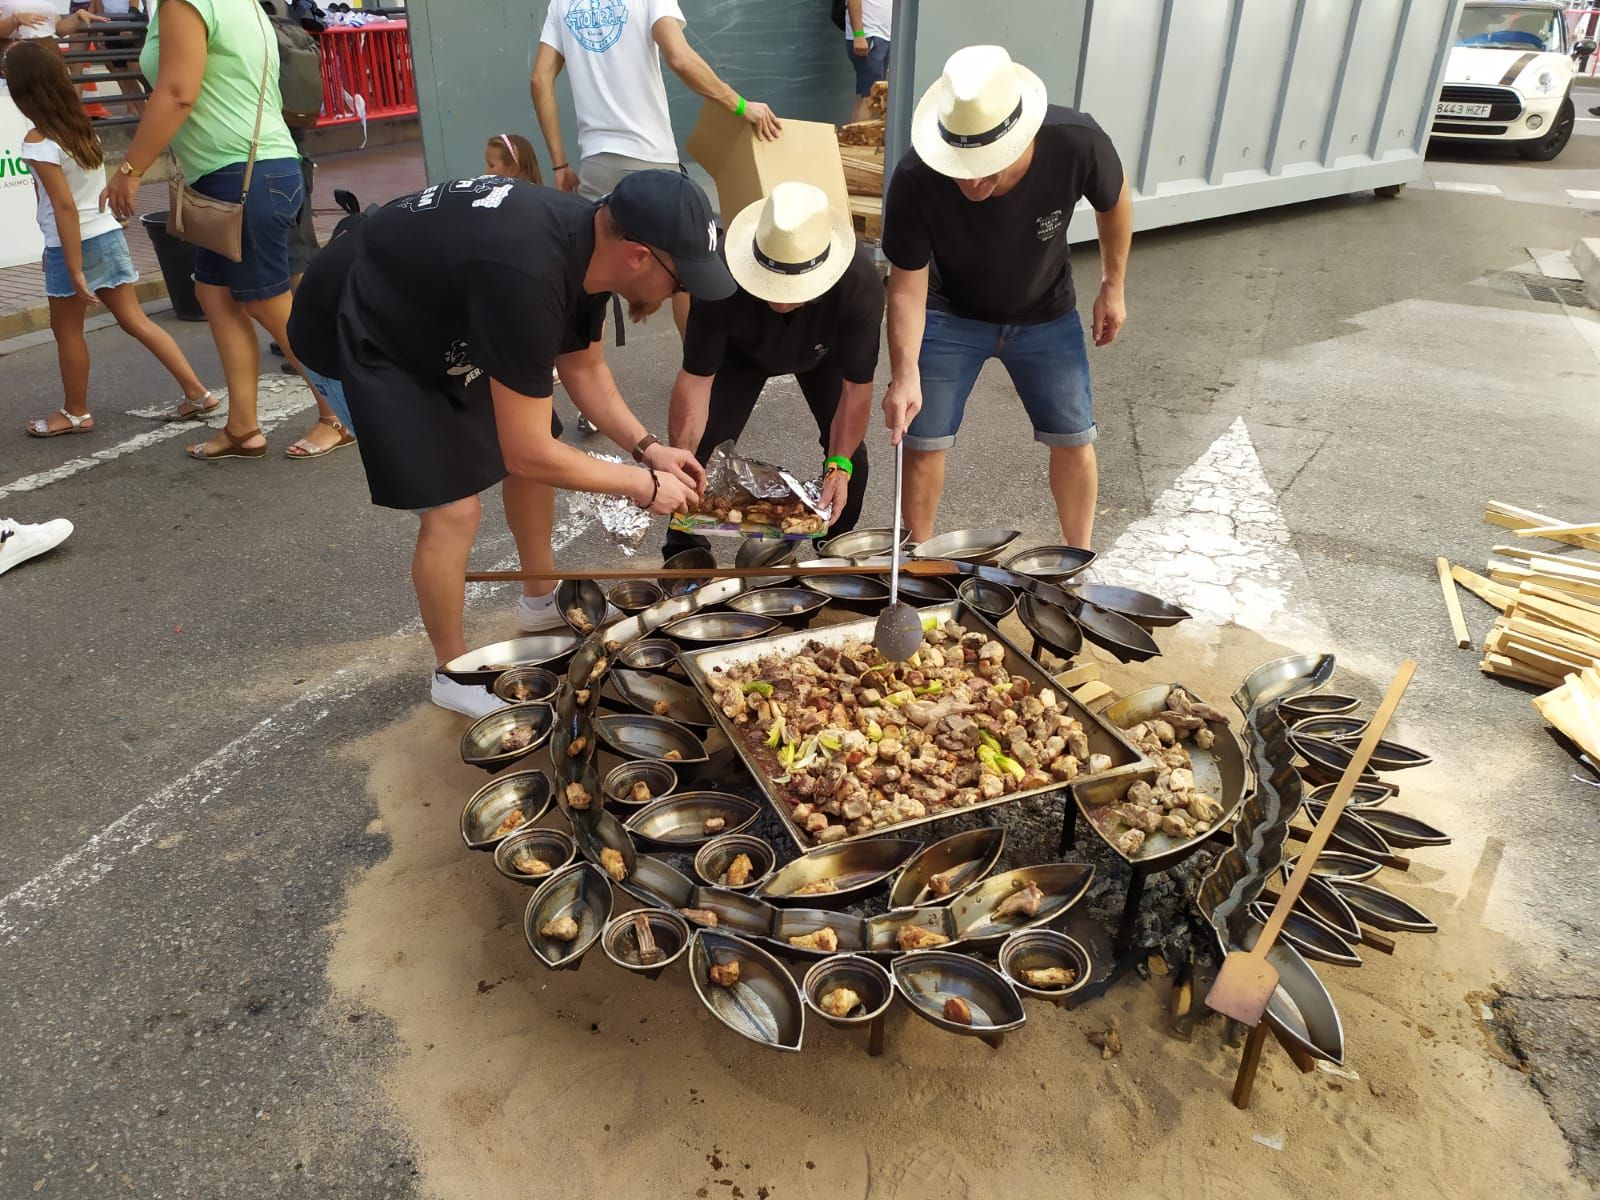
(1546, 81)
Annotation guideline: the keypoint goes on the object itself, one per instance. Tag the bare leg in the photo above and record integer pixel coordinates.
(531, 514)
(439, 574)
(236, 344)
(72, 352)
(124, 305)
(921, 488)
(680, 312)
(273, 316)
(1075, 484)
(862, 110)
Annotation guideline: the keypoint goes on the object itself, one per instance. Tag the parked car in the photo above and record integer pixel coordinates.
(1509, 78)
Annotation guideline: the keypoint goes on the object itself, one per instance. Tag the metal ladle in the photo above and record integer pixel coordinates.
(898, 632)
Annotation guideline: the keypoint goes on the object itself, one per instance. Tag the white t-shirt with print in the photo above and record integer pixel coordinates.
(615, 71)
(876, 17)
(86, 183)
(29, 8)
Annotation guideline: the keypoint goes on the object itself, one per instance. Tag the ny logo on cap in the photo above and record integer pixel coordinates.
(711, 236)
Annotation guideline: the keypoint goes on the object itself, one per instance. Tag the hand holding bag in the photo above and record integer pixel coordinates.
(204, 221)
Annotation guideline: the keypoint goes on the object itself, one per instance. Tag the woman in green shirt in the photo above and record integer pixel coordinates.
(215, 67)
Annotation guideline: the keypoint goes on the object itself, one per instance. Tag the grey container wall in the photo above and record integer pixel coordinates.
(1216, 106)
(473, 58)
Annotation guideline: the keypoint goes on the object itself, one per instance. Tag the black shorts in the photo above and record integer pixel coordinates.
(423, 444)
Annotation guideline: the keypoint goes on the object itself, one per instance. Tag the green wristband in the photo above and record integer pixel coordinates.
(860, 33)
(844, 464)
(738, 109)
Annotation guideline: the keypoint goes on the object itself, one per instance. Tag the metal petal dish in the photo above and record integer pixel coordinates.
(491, 804)
(1325, 760)
(854, 869)
(1352, 833)
(972, 855)
(644, 690)
(1051, 627)
(1063, 885)
(968, 545)
(678, 822)
(695, 558)
(637, 735)
(764, 1005)
(486, 662)
(737, 911)
(852, 591)
(1113, 632)
(527, 685)
(581, 603)
(620, 940)
(861, 975)
(1367, 794)
(480, 744)
(862, 543)
(657, 776)
(550, 846)
(1322, 900)
(1331, 728)
(761, 552)
(1311, 937)
(711, 861)
(1337, 864)
(597, 831)
(993, 600)
(1390, 756)
(1300, 1006)
(927, 978)
(787, 923)
(635, 595)
(582, 892)
(794, 606)
(883, 929)
(656, 882)
(652, 654)
(1041, 949)
(1317, 704)
(1401, 829)
(926, 589)
(1053, 563)
(1384, 909)
(716, 629)
(1140, 607)
(1284, 678)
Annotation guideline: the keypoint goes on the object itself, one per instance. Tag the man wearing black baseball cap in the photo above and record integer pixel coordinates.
(457, 303)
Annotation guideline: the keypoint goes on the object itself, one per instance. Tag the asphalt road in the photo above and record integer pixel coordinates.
(183, 674)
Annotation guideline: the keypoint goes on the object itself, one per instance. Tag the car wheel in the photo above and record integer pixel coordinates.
(1556, 141)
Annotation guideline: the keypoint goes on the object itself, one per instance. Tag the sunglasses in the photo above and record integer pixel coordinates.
(677, 284)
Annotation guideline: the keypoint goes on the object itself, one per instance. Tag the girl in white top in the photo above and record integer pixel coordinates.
(22, 20)
(86, 256)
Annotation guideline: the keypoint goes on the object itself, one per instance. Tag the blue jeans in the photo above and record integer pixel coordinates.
(872, 66)
(270, 212)
(1048, 365)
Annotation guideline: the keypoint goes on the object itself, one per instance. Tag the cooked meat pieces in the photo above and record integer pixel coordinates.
(578, 796)
(703, 917)
(562, 929)
(957, 1009)
(724, 974)
(918, 937)
(1050, 977)
(839, 1002)
(614, 865)
(714, 824)
(673, 756)
(1099, 764)
(817, 887)
(579, 620)
(578, 746)
(1128, 843)
(644, 937)
(824, 939)
(639, 793)
(1021, 903)
(944, 882)
(661, 708)
(599, 669)
(518, 737)
(530, 864)
(519, 691)
(514, 820)
(739, 871)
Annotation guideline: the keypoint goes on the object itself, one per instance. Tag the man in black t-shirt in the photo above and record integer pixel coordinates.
(809, 304)
(457, 304)
(975, 228)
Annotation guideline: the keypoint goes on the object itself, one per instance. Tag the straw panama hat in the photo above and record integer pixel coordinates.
(980, 115)
(790, 247)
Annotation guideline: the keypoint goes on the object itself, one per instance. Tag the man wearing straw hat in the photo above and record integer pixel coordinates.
(975, 228)
(809, 304)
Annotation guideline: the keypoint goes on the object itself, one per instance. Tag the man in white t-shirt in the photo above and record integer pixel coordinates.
(612, 54)
(867, 41)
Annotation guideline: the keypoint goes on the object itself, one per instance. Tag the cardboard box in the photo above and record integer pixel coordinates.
(746, 168)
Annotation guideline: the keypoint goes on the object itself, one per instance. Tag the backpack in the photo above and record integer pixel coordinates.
(840, 13)
(299, 70)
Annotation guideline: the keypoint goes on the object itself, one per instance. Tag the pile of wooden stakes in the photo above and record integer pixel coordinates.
(1548, 631)
(861, 148)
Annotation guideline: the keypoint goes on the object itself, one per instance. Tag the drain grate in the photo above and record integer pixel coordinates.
(1542, 288)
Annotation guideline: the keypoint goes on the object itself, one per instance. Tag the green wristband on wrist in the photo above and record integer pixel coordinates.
(844, 464)
(738, 109)
(860, 33)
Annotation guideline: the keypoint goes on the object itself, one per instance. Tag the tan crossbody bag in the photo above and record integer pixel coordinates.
(204, 221)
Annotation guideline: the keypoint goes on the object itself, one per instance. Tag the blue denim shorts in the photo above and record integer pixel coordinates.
(106, 264)
(871, 67)
(332, 391)
(270, 212)
(1048, 365)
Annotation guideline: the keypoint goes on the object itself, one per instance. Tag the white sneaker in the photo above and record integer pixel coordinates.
(538, 614)
(19, 542)
(469, 700)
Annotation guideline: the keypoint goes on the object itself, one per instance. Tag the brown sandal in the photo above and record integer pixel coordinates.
(305, 448)
(234, 447)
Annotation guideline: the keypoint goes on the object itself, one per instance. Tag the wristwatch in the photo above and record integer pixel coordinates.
(645, 443)
(124, 169)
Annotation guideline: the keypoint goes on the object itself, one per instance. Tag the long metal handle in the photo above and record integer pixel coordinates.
(894, 564)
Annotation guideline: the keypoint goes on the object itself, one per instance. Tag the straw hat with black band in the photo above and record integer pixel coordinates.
(790, 247)
(979, 116)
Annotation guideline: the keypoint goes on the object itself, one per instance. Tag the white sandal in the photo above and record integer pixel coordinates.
(39, 427)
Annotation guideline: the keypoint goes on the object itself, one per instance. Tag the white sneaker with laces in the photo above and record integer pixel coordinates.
(19, 542)
(539, 614)
(469, 700)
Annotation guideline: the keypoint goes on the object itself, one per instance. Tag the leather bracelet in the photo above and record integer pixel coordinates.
(839, 462)
(655, 491)
(559, 167)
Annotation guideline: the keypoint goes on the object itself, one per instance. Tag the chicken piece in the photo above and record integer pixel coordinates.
(1164, 731)
(582, 696)
(1205, 739)
(579, 620)
(1184, 723)
(1050, 977)
(714, 824)
(661, 708)
(1065, 768)
(1099, 764)
(514, 820)
(614, 865)
(562, 929)
(918, 937)
(824, 939)
(578, 796)
(889, 749)
(639, 793)
(816, 823)
(724, 975)
(518, 737)
(1138, 733)
(600, 667)
(833, 833)
(817, 887)
(530, 864)
(944, 882)
(1176, 824)
(991, 786)
(965, 797)
(1136, 816)
(1109, 1041)
(703, 917)
(673, 756)
(1129, 843)
(1078, 743)
(739, 871)
(957, 1009)
(1175, 758)
(1182, 780)
(1204, 807)
(519, 691)
(578, 746)
(644, 937)
(839, 1002)
(1024, 902)
(801, 811)
(1140, 792)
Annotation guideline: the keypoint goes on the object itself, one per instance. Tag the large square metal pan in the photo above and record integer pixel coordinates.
(1103, 737)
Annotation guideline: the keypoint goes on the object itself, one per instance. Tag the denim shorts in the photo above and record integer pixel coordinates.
(332, 391)
(106, 264)
(871, 67)
(1048, 365)
(270, 212)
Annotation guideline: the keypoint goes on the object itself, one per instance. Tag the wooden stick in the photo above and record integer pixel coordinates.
(1592, 527)
(1087, 673)
(1491, 594)
(1398, 861)
(1452, 604)
(1380, 943)
(1245, 1081)
(1508, 516)
(1538, 559)
(915, 566)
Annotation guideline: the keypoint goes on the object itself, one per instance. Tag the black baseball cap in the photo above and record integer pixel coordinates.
(667, 210)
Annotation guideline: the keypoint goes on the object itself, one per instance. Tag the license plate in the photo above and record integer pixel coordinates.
(1451, 108)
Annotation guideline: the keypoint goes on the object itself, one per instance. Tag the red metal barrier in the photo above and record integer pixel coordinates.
(372, 61)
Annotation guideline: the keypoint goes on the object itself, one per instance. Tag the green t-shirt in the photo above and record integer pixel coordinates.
(218, 130)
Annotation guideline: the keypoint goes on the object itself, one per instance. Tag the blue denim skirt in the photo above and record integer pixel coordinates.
(106, 264)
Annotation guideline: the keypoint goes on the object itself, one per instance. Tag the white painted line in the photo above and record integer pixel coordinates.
(1580, 193)
(1483, 189)
(1216, 543)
